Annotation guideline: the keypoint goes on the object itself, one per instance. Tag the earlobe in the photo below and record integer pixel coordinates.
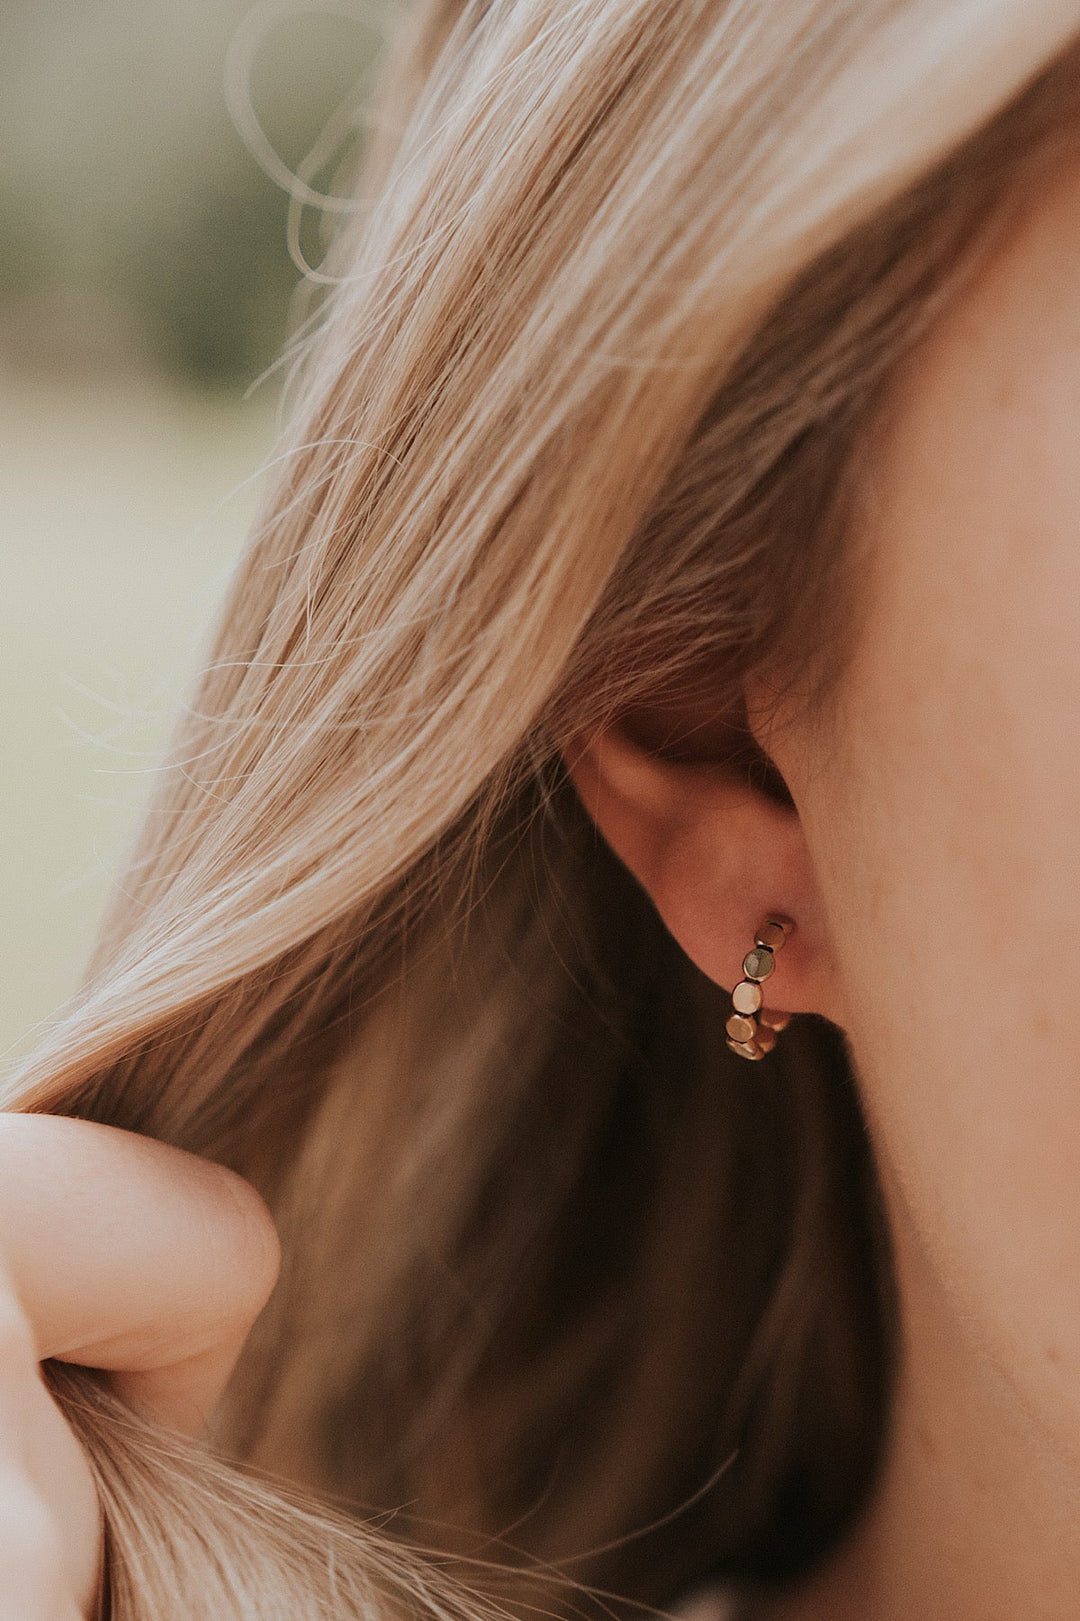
(716, 855)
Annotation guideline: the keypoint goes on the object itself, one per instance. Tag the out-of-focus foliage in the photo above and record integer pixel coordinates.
(142, 251)
(134, 223)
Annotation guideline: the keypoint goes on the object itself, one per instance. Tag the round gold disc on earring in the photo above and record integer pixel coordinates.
(747, 996)
(759, 963)
(773, 1019)
(740, 1028)
(747, 1049)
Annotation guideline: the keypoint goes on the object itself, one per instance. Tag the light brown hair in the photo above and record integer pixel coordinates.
(564, 1288)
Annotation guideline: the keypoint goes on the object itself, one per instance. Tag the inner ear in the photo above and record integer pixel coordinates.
(692, 728)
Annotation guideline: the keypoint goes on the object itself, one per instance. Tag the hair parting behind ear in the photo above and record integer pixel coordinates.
(582, 418)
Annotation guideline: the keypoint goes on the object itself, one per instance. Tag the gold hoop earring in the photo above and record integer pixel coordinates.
(752, 1028)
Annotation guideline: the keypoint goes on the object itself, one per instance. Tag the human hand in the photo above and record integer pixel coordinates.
(116, 1252)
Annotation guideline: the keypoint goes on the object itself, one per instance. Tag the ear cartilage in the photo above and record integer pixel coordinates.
(752, 1028)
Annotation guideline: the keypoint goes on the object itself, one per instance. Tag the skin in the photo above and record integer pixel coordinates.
(932, 866)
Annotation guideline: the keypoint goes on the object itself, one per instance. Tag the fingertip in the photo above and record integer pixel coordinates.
(255, 1245)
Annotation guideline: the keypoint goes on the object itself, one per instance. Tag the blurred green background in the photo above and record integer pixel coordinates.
(145, 288)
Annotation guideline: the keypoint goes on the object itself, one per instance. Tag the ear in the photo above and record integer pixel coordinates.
(717, 855)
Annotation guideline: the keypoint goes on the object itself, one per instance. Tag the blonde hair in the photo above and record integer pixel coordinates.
(580, 421)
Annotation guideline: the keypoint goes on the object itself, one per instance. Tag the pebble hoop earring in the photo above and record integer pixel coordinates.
(753, 1028)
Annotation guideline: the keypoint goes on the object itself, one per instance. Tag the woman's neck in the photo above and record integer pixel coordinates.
(976, 1513)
